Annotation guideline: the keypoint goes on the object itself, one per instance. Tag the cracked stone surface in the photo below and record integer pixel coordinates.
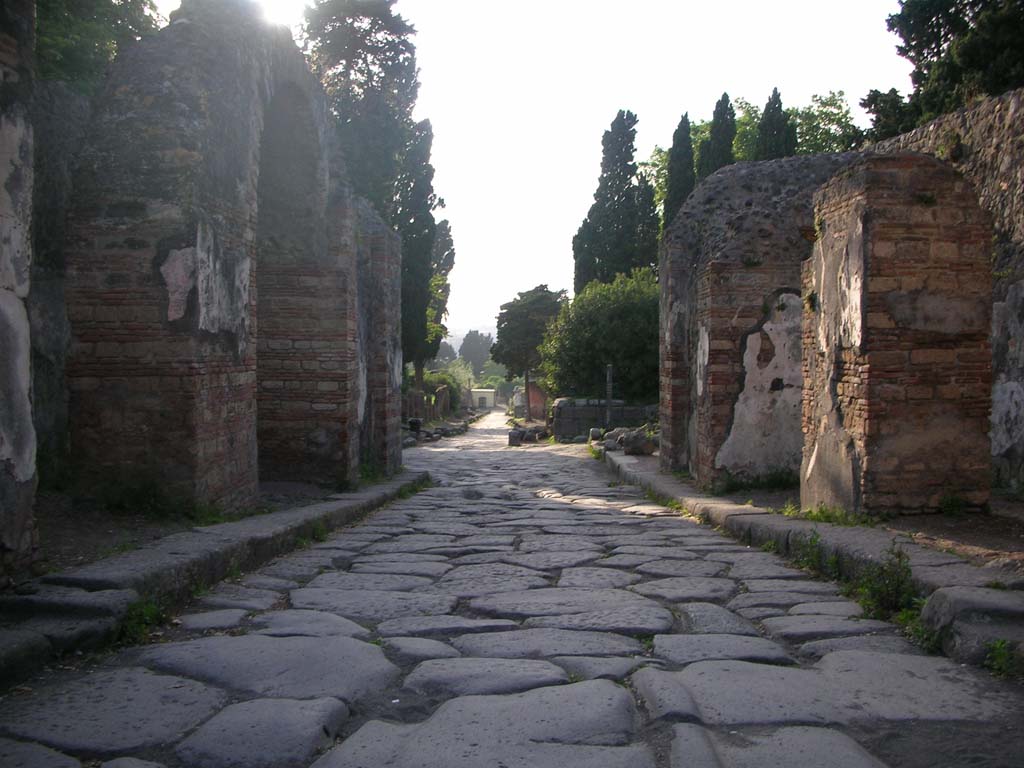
(526, 611)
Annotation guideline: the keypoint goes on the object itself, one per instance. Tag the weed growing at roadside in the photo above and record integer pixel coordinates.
(664, 501)
(596, 453)
(909, 620)
(1002, 660)
(319, 531)
(139, 621)
(886, 588)
(825, 514)
(770, 546)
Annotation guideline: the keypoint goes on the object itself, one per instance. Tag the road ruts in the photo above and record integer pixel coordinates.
(525, 612)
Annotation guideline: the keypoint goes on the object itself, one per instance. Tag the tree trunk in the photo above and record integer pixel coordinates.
(526, 388)
(418, 376)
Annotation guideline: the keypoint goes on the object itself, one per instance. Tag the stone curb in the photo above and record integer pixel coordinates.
(83, 608)
(965, 624)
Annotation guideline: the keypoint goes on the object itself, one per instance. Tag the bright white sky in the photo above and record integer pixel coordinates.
(519, 95)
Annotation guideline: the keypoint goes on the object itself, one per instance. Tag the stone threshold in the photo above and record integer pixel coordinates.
(962, 608)
(83, 608)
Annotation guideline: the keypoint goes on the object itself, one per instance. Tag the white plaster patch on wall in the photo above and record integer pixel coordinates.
(179, 273)
(703, 348)
(17, 433)
(766, 432)
(223, 283)
(396, 369)
(851, 287)
(15, 212)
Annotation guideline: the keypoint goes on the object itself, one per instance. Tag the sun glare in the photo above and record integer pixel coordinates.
(287, 12)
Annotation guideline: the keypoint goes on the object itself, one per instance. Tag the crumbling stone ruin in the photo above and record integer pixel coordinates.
(17, 435)
(896, 357)
(232, 308)
(730, 319)
(726, 296)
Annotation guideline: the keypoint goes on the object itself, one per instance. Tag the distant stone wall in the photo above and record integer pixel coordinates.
(571, 417)
(896, 357)
(730, 348)
(986, 144)
(18, 537)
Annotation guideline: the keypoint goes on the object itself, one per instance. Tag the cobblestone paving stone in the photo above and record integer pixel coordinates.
(527, 611)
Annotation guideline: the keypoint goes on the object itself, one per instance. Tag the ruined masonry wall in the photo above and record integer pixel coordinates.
(986, 144)
(730, 275)
(18, 536)
(896, 357)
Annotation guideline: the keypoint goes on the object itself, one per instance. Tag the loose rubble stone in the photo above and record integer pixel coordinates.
(539, 643)
(686, 649)
(292, 667)
(461, 677)
(21, 754)
(301, 623)
(569, 726)
(111, 712)
(265, 733)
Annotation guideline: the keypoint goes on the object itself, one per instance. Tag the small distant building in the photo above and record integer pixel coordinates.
(483, 399)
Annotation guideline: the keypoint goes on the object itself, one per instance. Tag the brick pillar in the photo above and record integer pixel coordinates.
(18, 537)
(674, 364)
(897, 361)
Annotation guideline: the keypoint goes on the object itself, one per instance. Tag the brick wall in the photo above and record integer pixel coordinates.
(897, 361)
(571, 417)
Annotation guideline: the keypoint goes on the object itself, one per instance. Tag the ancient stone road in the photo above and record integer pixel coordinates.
(527, 612)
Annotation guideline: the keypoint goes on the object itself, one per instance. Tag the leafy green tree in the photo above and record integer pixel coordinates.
(445, 354)
(476, 350)
(960, 49)
(617, 235)
(77, 39)
(716, 150)
(681, 176)
(776, 133)
(365, 57)
(826, 125)
(442, 259)
(607, 323)
(748, 117)
(655, 169)
(414, 220)
(521, 326)
(700, 132)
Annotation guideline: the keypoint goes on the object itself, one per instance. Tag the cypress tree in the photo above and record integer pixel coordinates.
(615, 236)
(776, 132)
(681, 176)
(716, 150)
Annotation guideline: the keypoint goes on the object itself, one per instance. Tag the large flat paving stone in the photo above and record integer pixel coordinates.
(780, 600)
(226, 618)
(461, 677)
(845, 687)
(428, 569)
(544, 643)
(629, 620)
(23, 754)
(801, 746)
(289, 667)
(567, 726)
(596, 578)
(387, 582)
(416, 649)
(546, 561)
(806, 586)
(239, 597)
(845, 608)
(372, 605)
(875, 643)
(668, 568)
(599, 667)
(300, 623)
(804, 628)
(557, 601)
(110, 712)
(687, 649)
(683, 589)
(441, 625)
(708, 618)
(664, 553)
(265, 733)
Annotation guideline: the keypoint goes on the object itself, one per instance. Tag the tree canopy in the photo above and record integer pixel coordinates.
(826, 125)
(476, 350)
(620, 232)
(744, 143)
(521, 326)
(776, 133)
(607, 323)
(716, 150)
(681, 178)
(77, 39)
(442, 260)
(960, 49)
